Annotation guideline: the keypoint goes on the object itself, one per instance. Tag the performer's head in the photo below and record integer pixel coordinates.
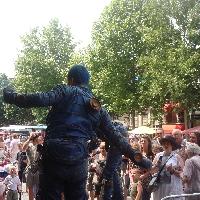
(78, 75)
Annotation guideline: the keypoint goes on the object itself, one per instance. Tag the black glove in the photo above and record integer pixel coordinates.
(144, 163)
(9, 95)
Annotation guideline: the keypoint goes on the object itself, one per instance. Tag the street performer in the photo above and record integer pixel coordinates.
(72, 121)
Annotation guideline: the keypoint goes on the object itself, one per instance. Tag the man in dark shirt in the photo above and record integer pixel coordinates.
(74, 117)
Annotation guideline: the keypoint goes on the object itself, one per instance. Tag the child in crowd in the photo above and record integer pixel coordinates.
(13, 184)
(21, 162)
(136, 186)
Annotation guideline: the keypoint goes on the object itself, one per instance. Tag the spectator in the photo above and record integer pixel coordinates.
(158, 136)
(136, 186)
(191, 171)
(14, 147)
(21, 162)
(32, 173)
(102, 150)
(2, 148)
(7, 140)
(156, 148)
(195, 138)
(13, 184)
(177, 134)
(170, 180)
(133, 139)
(2, 145)
(146, 147)
(99, 166)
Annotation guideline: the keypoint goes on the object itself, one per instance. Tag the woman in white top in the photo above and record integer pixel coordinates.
(170, 180)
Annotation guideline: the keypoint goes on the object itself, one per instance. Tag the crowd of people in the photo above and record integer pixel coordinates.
(178, 153)
(18, 156)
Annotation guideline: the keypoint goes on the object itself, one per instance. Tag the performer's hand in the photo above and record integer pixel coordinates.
(8, 94)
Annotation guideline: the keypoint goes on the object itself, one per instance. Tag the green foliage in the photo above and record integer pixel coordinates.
(142, 52)
(145, 51)
(115, 48)
(16, 115)
(43, 61)
(10, 114)
(170, 61)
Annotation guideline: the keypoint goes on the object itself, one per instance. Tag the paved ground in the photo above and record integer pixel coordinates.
(24, 194)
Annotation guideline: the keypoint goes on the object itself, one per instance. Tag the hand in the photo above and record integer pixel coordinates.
(8, 94)
(170, 169)
(154, 170)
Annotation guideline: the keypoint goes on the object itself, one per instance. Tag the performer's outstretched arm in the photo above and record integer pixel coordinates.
(41, 99)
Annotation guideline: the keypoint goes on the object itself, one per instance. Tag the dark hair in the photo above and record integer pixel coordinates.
(197, 134)
(79, 74)
(150, 153)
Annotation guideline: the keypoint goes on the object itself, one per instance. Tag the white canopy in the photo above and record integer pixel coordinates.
(142, 130)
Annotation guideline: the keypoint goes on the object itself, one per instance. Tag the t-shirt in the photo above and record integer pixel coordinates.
(12, 182)
(14, 146)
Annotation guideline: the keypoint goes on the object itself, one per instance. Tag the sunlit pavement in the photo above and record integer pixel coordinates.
(24, 193)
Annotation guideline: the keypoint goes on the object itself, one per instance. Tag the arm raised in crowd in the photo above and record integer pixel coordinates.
(116, 139)
(42, 99)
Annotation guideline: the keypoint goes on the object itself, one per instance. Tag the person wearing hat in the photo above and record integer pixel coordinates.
(191, 171)
(170, 181)
(74, 116)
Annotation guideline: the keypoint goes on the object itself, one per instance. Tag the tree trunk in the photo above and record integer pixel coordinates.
(186, 119)
(132, 119)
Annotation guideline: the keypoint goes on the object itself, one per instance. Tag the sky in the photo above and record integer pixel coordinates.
(18, 17)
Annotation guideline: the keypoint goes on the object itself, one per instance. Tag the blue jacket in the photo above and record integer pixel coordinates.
(72, 115)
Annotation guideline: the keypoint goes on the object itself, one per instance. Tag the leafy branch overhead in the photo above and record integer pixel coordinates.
(43, 61)
(141, 53)
(145, 51)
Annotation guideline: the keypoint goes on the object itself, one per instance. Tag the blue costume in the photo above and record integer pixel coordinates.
(111, 187)
(74, 117)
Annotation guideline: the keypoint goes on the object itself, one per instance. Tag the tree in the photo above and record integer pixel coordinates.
(170, 62)
(145, 51)
(43, 60)
(116, 45)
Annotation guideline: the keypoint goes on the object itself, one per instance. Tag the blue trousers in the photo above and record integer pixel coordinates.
(70, 180)
(112, 189)
(64, 170)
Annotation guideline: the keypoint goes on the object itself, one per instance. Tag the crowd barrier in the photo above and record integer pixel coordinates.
(182, 195)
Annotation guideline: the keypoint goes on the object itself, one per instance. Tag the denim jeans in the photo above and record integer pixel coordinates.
(56, 179)
(112, 190)
(60, 176)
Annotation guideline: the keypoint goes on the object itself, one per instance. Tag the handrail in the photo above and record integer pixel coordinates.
(182, 195)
